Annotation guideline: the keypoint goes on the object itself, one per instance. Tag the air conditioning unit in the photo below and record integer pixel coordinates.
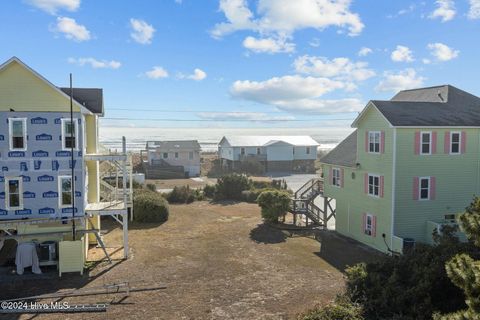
(48, 251)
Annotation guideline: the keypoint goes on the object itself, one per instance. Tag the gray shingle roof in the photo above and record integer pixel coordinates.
(90, 98)
(344, 154)
(174, 145)
(433, 106)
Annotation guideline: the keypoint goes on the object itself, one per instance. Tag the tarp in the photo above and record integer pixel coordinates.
(27, 257)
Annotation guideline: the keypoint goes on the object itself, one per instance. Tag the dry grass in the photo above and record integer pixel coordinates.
(219, 262)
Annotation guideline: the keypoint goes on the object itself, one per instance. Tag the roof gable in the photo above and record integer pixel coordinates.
(23, 89)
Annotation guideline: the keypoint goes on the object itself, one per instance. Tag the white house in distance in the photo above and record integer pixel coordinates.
(165, 156)
(276, 153)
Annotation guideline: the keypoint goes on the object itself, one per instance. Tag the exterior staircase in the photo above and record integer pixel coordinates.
(303, 203)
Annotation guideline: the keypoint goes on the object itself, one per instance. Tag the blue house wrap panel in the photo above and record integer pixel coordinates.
(41, 165)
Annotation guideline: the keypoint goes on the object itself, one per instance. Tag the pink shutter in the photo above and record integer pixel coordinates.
(366, 141)
(365, 183)
(433, 187)
(434, 142)
(364, 222)
(382, 183)
(342, 175)
(330, 176)
(447, 142)
(417, 142)
(415, 188)
(464, 142)
(382, 142)
(374, 226)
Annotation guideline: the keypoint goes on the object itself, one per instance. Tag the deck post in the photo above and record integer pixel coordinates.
(325, 212)
(125, 214)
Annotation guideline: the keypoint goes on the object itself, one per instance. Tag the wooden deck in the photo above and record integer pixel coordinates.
(106, 208)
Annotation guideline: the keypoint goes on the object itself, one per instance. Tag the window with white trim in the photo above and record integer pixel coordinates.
(426, 143)
(368, 224)
(308, 150)
(190, 155)
(424, 188)
(373, 185)
(374, 141)
(259, 151)
(176, 155)
(13, 193)
(242, 151)
(455, 141)
(336, 177)
(65, 191)
(165, 155)
(69, 134)
(18, 133)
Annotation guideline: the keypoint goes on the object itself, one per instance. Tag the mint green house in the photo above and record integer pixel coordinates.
(410, 166)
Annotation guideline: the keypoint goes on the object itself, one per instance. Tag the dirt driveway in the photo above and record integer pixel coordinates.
(218, 262)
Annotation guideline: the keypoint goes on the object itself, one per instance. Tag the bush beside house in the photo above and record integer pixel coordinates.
(149, 206)
(274, 204)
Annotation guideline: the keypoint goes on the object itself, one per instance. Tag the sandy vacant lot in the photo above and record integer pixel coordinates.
(218, 262)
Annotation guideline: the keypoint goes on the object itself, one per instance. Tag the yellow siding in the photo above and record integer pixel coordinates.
(22, 90)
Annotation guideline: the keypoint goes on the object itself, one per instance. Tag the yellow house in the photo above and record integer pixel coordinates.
(51, 185)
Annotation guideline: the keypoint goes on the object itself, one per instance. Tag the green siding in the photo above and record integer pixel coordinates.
(456, 181)
(351, 201)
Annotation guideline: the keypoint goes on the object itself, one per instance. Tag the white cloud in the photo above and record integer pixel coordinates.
(426, 61)
(157, 73)
(198, 75)
(94, 63)
(442, 52)
(237, 115)
(364, 51)
(406, 79)
(281, 18)
(268, 45)
(340, 68)
(71, 29)
(178, 1)
(445, 10)
(52, 6)
(142, 31)
(474, 11)
(402, 54)
(296, 94)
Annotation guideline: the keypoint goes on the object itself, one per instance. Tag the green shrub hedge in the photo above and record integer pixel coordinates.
(230, 187)
(274, 204)
(149, 206)
(183, 195)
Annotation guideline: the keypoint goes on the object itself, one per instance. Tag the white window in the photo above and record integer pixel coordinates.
(373, 185)
(426, 143)
(368, 224)
(336, 177)
(13, 193)
(18, 133)
(190, 155)
(69, 134)
(165, 155)
(455, 141)
(242, 151)
(308, 150)
(424, 188)
(65, 191)
(176, 155)
(374, 142)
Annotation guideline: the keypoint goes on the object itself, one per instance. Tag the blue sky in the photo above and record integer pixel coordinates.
(261, 63)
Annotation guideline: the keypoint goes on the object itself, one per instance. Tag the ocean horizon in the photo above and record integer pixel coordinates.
(111, 137)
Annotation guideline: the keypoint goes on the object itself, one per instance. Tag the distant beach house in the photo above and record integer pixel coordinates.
(40, 199)
(409, 167)
(169, 159)
(275, 153)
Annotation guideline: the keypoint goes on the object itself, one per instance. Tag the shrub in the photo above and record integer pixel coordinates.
(274, 204)
(151, 187)
(251, 166)
(341, 309)
(149, 206)
(209, 191)
(182, 195)
(417, 280)
(230, 187)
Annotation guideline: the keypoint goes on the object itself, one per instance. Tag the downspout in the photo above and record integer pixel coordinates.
(394, 170)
